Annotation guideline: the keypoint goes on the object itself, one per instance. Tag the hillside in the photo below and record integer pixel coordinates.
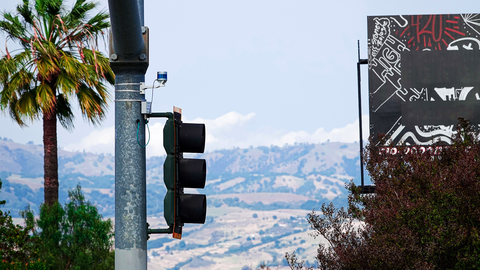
(258, 198)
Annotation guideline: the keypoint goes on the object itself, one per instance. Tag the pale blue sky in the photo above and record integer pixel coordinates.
(257, 72)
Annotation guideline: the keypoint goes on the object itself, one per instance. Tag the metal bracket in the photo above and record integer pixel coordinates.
(119, 63)
(368, 189)
(143, 87)
(158, 231)
(362, 61)
(168, 115)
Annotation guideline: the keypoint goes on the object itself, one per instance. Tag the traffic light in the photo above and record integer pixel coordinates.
(180, 173)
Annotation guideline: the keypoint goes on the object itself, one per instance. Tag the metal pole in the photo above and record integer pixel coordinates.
(130, 186)
(141, 12)
(126, 28)
(360, 115)
(129, 61)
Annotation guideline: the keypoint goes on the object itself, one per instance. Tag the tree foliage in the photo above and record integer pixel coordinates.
(82, 241)
(70, 237)
(425, 213)
(18, 250)
(58, 63)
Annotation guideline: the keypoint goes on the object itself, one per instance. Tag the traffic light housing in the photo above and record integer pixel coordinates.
(180, 173)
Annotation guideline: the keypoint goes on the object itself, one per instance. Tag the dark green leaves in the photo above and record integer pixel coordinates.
(425, 213)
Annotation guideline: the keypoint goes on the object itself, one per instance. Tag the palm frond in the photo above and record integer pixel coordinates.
(51, 50)
(64, 112)
(23, 58)
(52, 7)
(78, 13)
(21, 80)
(101, 64)
(15, 113)
(23, 107)
(104, 68)
(8, 66)
(66, 84)
(40, 7)
(46, 68)
(69, 65)
(47, 12)
(7, 95)
(25, 11)
(91, 79)
(59, 60)
(14, 29)
(45, 98)
(46, 60)
(98, 23)
(92, 105)
(27, 104)
(38, 30)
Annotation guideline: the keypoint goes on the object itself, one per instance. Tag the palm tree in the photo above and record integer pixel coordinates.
(57, 64)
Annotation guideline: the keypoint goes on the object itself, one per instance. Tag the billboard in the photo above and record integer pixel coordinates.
(424, 73)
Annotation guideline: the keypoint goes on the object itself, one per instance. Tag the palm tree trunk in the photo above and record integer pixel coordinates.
(50, 159)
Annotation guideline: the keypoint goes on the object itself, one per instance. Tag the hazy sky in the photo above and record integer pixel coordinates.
(256, 72)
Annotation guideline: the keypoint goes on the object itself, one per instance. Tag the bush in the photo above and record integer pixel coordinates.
(424, 213)
(69, 237)
(75, 236)
(18, 249)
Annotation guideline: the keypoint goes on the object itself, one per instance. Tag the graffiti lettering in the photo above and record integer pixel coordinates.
(428, 29)
(412, 150)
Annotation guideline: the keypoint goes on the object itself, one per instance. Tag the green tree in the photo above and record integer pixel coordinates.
(425, 213)
(71, 237)
(18, 249)
(82, 240)
(58, 62)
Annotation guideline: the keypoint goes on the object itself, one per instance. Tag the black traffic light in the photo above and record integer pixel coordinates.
(180, 173)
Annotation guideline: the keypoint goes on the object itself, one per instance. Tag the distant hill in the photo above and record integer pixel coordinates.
(316, 172)
(257, 198)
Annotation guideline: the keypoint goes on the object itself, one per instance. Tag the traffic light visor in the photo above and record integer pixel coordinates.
(192, 138)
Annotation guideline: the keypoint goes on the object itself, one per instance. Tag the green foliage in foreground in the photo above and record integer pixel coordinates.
(425, 213)
(18, 250)
(69, 237)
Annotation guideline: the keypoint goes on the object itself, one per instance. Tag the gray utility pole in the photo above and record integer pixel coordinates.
(129, 61)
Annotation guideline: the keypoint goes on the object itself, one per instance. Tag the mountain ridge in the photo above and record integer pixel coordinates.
(257, 199)
(316, 171)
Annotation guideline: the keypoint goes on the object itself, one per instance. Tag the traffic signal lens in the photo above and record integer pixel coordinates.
(194, 208)
(192, 138)
(192, 173)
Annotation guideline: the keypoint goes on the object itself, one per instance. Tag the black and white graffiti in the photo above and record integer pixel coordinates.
(424, 73)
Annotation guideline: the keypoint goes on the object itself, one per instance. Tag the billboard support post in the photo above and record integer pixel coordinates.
(364, 189)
